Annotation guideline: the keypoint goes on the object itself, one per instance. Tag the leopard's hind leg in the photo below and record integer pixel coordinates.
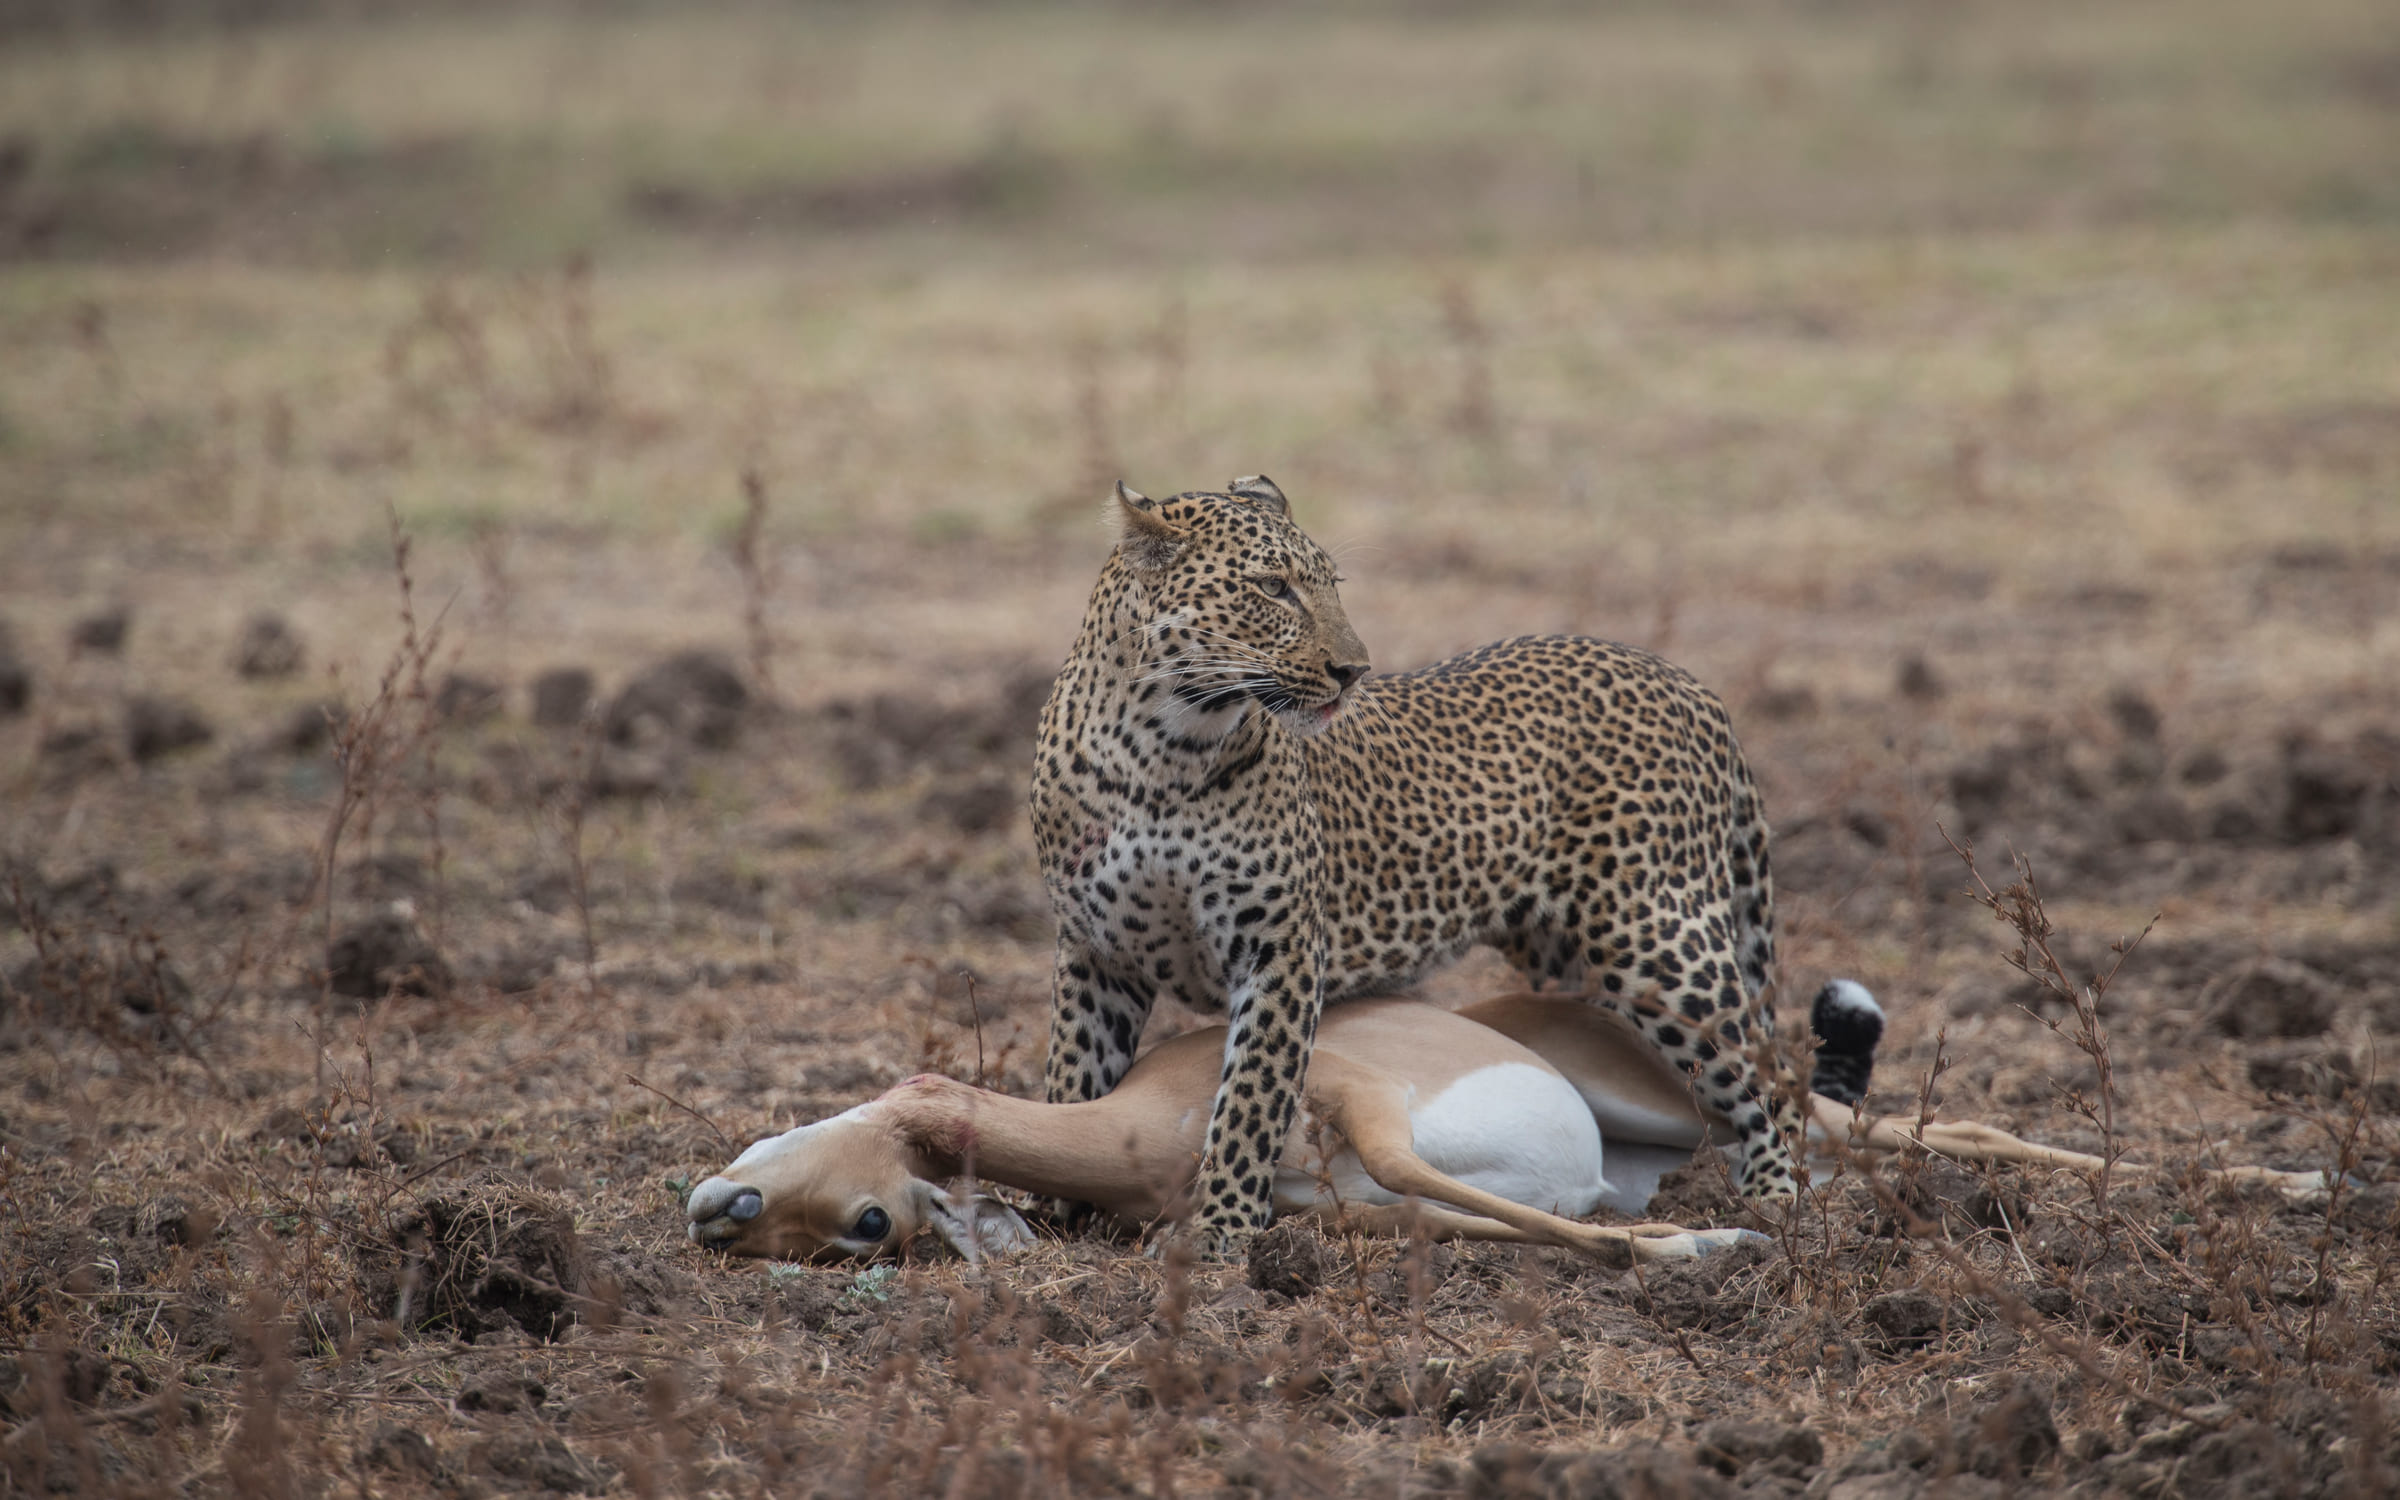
(1680, 976)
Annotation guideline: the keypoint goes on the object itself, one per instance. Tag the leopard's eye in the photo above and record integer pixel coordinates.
(1276, 589)
(874, 1224)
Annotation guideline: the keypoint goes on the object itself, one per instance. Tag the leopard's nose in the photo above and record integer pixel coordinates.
(1345, 673)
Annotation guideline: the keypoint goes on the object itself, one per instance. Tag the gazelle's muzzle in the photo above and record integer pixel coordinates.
(719, 1209)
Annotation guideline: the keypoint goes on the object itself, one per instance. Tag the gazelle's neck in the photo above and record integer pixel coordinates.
(1106, 1152)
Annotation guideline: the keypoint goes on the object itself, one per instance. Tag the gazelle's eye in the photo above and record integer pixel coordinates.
(874, 1224)
(1276, 589)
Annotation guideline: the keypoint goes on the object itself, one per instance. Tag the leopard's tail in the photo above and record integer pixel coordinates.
(1849, 1026)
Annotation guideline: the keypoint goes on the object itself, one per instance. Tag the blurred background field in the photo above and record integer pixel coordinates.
(1999, 404)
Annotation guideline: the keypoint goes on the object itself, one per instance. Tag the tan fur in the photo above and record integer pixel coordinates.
(1133, 1153)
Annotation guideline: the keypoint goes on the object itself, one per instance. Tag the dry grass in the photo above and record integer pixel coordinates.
(1999, 410)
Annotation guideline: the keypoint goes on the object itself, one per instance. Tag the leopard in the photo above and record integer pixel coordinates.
(1231, 809)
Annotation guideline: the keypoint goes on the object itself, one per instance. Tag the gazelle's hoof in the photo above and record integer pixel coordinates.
(1693, 1244)
(2315, 1187)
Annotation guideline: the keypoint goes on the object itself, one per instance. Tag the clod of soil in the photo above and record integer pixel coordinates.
(562, 696)
(544, 1462)
(1979, 786)
(1908, 1319)
(693, 697)
(467, 699)
(268, 647)
(1916, 679)
(883, 738)
(1287, 1258)
(2303, 1070)
(73, 752)
(1506, 1469)
(2007, 1439)
(1686, 1293)
(2154, 816)
(1784, 702)
(305, 728)
(490, 1257)
(404, 1450)
(382, 955)
(1731, 1447)
(2011, 1437)
(1699, 1196)
(75, 982)
(16, 681)
(977, 806)
(2135, 714)
(2324, 793)
(500, 1391)
(103, 632)
(520, 970)
(2205, 766)
(175, 1222)
(2273, 997)
(635, 773)
(162, 726)
(722, 887)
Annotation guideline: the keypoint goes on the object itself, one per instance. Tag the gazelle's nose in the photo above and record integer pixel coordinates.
(719, 1207)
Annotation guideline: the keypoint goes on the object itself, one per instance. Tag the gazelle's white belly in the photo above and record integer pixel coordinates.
(1512, 1129)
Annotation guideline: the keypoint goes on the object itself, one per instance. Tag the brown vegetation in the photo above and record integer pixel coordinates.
(524, 609)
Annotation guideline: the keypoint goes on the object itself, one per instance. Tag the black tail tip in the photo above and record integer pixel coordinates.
(1846, 1018)
(1848, 1024)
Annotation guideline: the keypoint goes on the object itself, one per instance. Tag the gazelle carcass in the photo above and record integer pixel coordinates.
(1506, 1120)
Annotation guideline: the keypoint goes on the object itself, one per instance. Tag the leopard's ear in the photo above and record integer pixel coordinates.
(1260, 491)
(1144, 538)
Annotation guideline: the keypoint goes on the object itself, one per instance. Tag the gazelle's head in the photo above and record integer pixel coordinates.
(844, 1187)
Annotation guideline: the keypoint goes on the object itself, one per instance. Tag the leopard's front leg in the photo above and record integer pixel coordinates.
(1273, 1026)
(1096, 1022)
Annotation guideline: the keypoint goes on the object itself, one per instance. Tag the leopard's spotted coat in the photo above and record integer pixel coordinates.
(1227, 812)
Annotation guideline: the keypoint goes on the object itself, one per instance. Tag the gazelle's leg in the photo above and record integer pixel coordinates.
(1957, 1139)
(1427, 1221)
(1369, 1109)
(1969, 1140)
(1433, 1222)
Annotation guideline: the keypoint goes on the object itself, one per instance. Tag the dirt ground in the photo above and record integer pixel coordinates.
(522, 612)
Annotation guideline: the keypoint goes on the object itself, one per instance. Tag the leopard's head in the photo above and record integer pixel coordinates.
(1239, 606)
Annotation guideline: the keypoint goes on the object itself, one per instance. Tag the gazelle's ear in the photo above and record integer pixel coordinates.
(973, 1224)
(1260, 491)
(1144, 539)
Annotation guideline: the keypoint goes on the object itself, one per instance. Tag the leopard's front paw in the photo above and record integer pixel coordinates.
(1767, 1176)
(1204, 1243)
(1220, 1242)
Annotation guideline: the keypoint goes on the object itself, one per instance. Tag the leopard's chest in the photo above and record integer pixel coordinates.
(1187, 904)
